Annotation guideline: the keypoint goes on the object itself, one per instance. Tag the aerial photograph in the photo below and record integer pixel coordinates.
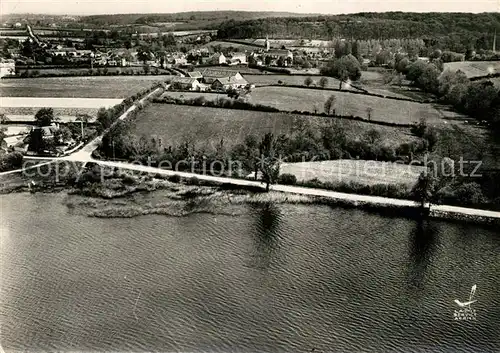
(233, 176)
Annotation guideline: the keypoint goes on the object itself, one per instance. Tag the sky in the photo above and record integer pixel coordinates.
(87, 7)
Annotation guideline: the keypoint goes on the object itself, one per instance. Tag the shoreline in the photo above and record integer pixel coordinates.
(217, 195)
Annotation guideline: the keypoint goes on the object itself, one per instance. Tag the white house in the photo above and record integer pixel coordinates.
(185, 83)
(238, 58)
(217, 59)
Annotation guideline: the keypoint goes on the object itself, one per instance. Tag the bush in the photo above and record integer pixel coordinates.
(419, 129)
(287, 179)
(11, 161)
(193, 181)
(129, 179)
(174, 178)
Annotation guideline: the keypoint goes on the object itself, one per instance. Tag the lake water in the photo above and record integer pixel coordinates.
(281, 278)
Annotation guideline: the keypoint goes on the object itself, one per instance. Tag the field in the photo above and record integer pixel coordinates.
(22, 113)
(207, 126)
(36, 102)
(238, 46)
(242, 69)
(298, 80)
(388, 110)
(138, 70)
(263, 80)
(365, 172)
(118, 87)
(474, 68)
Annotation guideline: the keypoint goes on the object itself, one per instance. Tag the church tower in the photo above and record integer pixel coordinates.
(268, 46)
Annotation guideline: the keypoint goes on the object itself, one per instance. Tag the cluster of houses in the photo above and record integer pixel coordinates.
(210, 80)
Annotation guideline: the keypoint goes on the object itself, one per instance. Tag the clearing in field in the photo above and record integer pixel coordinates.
(379, 109)
(118, 87)
(474, 68)
(206, 127)
(345, 170)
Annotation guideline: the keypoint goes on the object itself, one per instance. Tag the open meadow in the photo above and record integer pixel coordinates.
(205, 127)
(299, 80)
(346, 170)
(118, 87)
(238, 46)
(474, 68)
(270, 79)
(387, 110)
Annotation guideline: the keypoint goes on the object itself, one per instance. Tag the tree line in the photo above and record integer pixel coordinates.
(453, 31)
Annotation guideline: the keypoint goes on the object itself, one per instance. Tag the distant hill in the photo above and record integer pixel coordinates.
(127, 19)
(182, 20)
(177, 21)
(451, 30)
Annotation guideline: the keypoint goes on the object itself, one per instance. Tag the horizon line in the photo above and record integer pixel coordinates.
(231, 10)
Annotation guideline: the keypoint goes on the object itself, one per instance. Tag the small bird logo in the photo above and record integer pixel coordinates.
(470, 301)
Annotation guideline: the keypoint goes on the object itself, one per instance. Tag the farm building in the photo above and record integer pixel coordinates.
(185, 83)
(274, 55)
(210, 75)
(238, 58)
(225, 83)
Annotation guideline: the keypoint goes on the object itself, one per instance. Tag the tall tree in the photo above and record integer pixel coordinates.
(44, 117)
(269, 163)
(423, 190)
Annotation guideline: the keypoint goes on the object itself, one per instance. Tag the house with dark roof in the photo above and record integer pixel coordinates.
(223, 79)
(225, 83)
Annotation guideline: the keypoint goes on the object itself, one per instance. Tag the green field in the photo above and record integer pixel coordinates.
(205, 127)
(137, 70)
(270, 79)
(388, 110)
(238, 46)
(364, 172)
(242, 69)
(78, 87)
